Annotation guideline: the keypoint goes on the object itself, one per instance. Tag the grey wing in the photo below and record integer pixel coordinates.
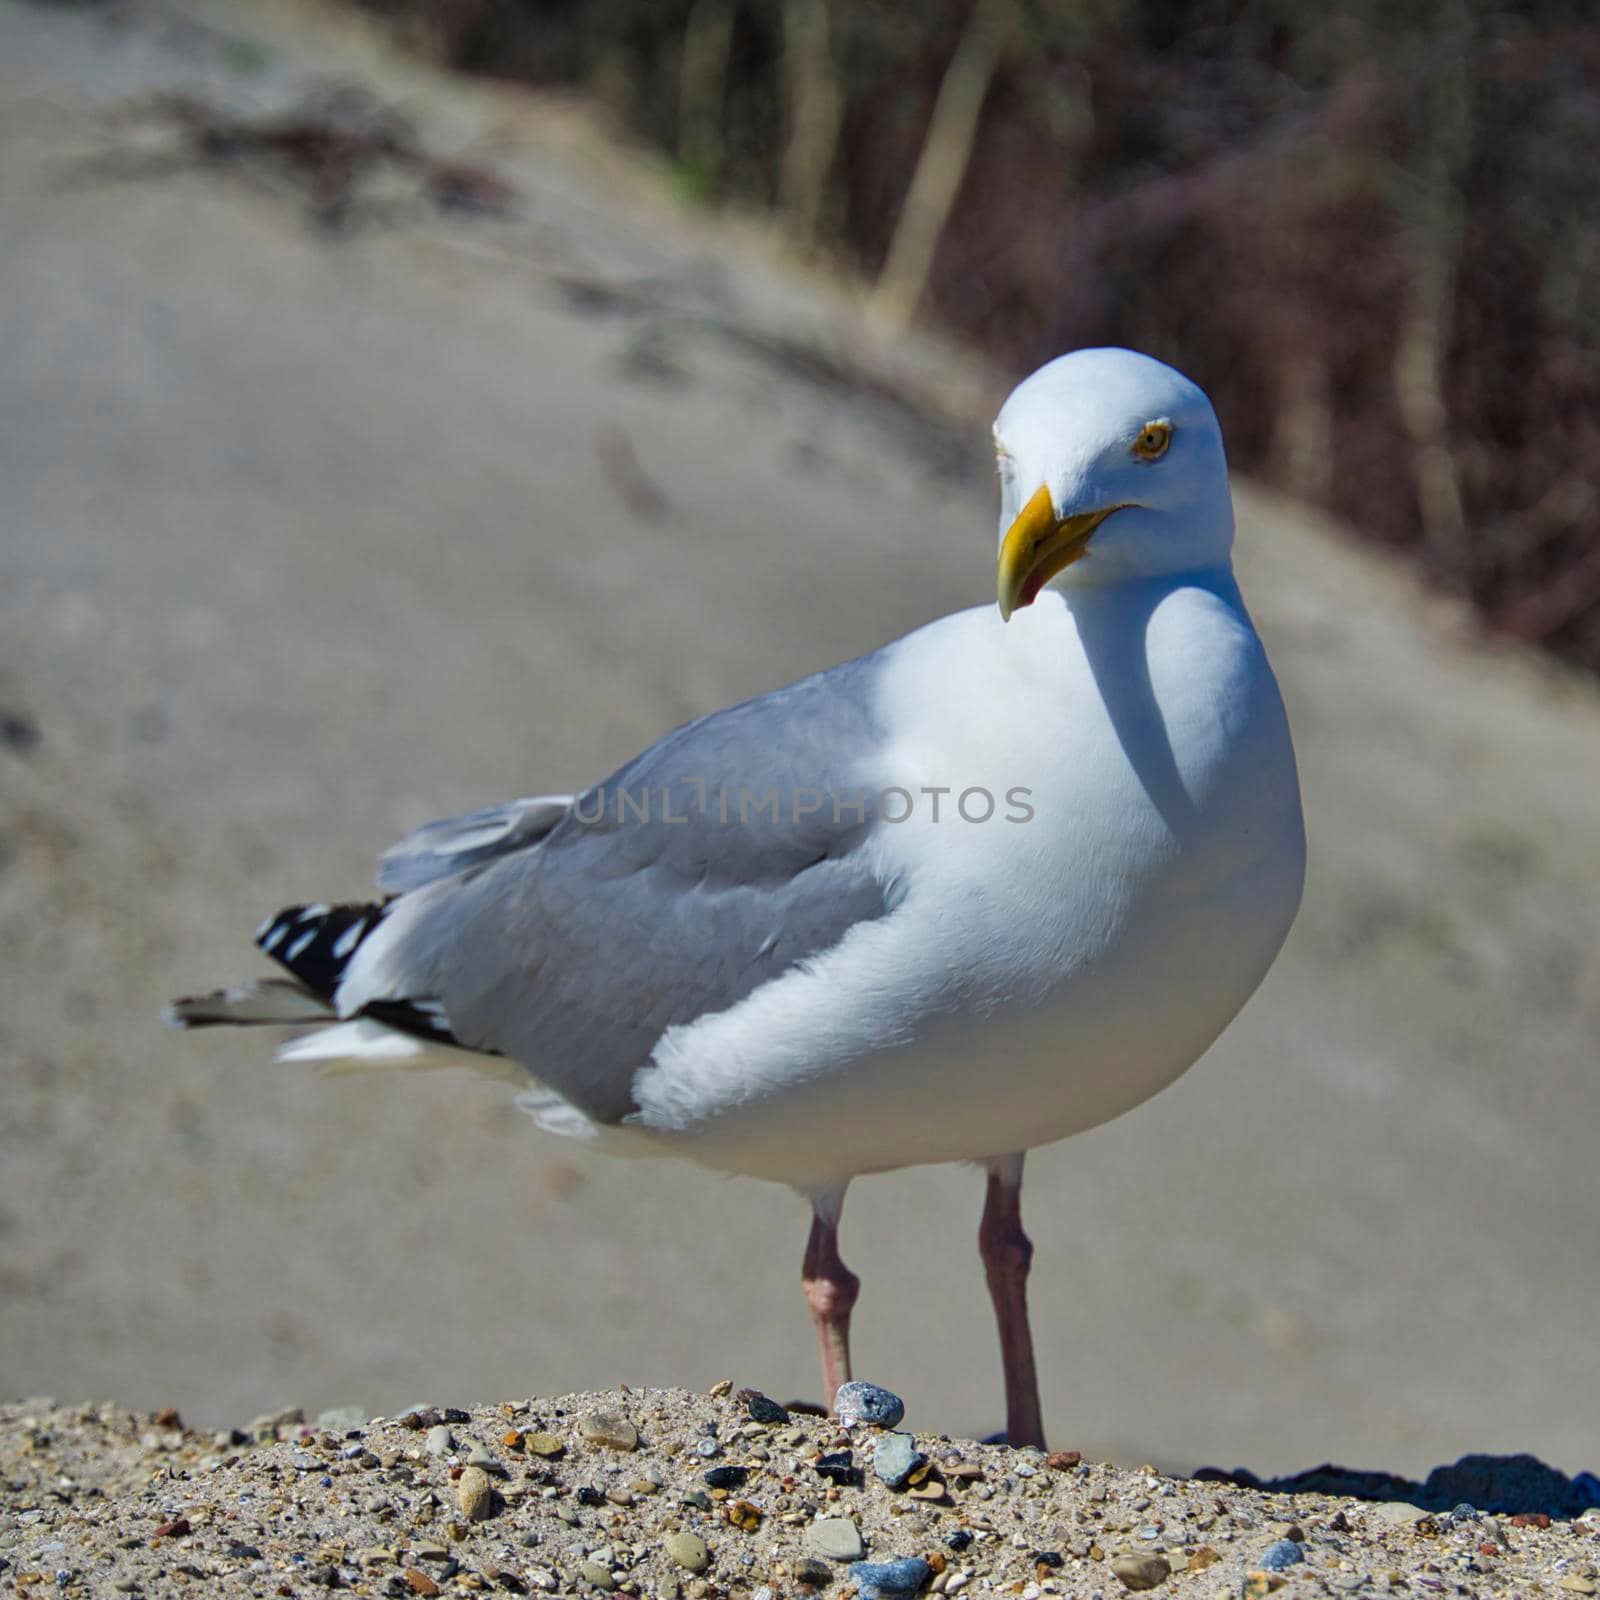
(443, 849)
(704, 868)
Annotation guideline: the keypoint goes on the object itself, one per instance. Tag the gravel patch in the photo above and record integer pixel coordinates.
(630, 1492)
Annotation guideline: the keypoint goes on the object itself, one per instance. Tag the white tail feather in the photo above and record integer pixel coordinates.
(364, 1045)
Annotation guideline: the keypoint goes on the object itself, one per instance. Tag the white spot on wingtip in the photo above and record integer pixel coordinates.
(298, 948)
(311, 913)
(348, 940)
(264, 929)
(274, 939)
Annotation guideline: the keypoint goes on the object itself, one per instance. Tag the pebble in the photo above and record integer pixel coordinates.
(726, 1477)
(875, 1579)
(867, 1402)
(809, 1570)
(837, 1538)
(1280, 1554)
(605, 1430)
(1258, 1585)
(341, 1419)
(895, 1458)
(474, 1494)
(1397, 1513)
(542, 1444)
(689, 1551)
(440, 1441)
(1142, 1571)
(597, 1575)
(762, 1409)
(418, 1582)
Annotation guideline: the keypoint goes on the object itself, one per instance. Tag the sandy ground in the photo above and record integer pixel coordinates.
(681, 1496)
(307, 540)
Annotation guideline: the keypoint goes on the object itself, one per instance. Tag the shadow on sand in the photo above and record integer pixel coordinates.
(1514, 1485)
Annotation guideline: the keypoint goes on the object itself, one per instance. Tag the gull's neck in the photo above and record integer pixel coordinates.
(1144, 593)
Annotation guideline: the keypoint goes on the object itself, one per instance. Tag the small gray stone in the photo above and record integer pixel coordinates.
(866, 1402)
(883, 1580)
(809, 1570)
(837, 1538)
(1281, 1553)
(440, 1441)
(1397, 1513)
(480, 1457)
(689, 1551)
(896, 1458)
(605, 1430)
(1141, 1572)
(594, 1573)
(342, 1418)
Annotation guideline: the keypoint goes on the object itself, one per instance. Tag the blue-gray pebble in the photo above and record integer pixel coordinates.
(885, 1580)
(866, 1402)
(1282, 1553)
(895, 1458)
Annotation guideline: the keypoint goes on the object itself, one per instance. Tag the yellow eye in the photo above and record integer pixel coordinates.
(1154, 437)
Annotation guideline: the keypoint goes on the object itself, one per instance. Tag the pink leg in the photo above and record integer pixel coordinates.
(1007, 1253)
(831, 1289)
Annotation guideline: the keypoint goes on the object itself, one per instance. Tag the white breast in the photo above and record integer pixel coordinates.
(1039, 976)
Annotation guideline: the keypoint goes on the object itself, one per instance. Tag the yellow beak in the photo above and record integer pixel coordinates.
(1037, 546)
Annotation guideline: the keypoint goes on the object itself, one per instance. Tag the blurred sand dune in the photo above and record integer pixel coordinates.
(308, 539)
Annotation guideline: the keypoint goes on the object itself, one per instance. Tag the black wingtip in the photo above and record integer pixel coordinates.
(316, 943)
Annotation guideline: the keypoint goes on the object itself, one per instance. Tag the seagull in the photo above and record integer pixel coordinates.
(989, 886)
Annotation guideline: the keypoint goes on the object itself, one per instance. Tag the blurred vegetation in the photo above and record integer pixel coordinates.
(1373, 230)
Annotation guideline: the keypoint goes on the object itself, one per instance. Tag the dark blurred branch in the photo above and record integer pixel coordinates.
(702, 88)
(816, 108)
(1428, 200)
(946, 151)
